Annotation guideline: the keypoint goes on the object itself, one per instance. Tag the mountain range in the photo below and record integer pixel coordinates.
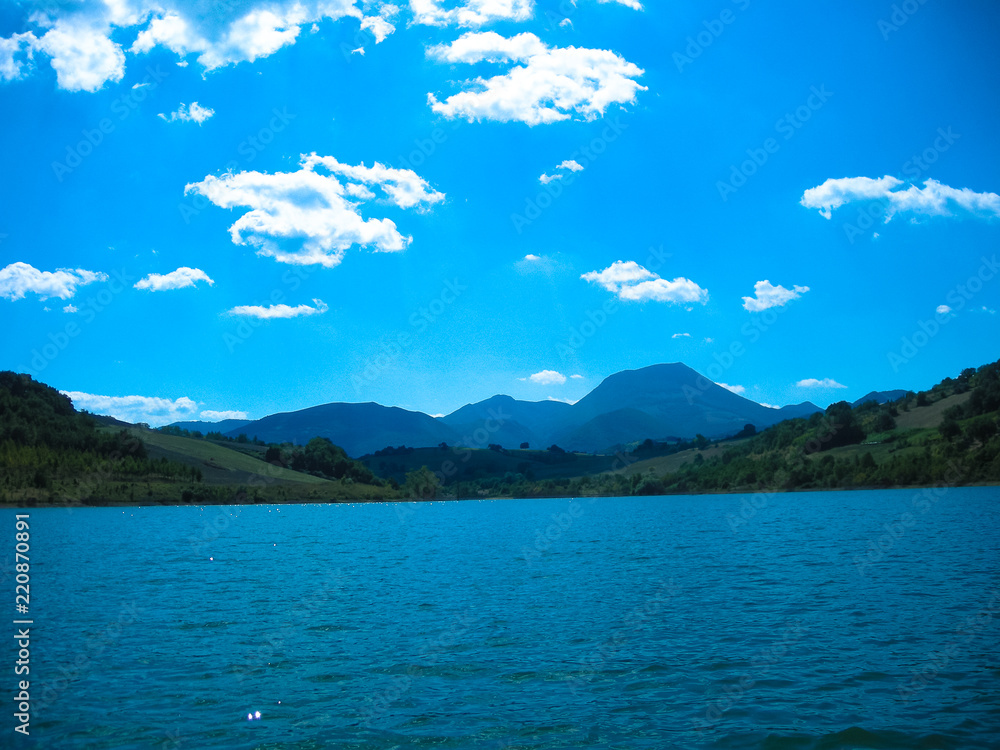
(661, 402)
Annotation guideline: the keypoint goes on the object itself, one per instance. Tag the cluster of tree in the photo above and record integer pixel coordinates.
(215, 435)
(401, 450)
(322, 458)
(44, 441)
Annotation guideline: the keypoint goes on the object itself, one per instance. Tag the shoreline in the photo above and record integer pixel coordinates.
(65, 503)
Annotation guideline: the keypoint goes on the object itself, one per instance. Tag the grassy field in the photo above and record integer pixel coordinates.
(660, 465)
(218, 464)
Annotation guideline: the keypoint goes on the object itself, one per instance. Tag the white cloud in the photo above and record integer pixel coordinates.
(279, 311)
(80, 37)
(630, 281)
(943, 310)
(562, 400)
(217, 416)
(194, 113)
(16, 55)
(548, 377)
(150, 409)
(569, 164)
(769, 406)
(934, 199)
(550, 84)
(260, 31)
(470, 12)
(824, 383)
(19, 278)
(768, 295)
(681, 336)
(532, 257)
(737, 389)
(633, 4)
(987, 310)
(577, 377)
(312, 216)
(82, 54)
(70, 309)
(179, 279)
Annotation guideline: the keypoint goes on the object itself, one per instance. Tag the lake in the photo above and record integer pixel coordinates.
(809, 620)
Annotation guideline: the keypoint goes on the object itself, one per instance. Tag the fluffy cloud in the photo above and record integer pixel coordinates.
(312, 216)
(471, 12)
(737, 389)
(548, 377)
(70, 309)
(532, 257)
(16, 54)
(80, 37)
(217, 416)
(943, 310)
(570, 165)
(279, 311)
(577, 377)
(194, 113)
(82, 55)
(934, 199)
(182, 277)
(681, 336)
(550, 84)
(824, 383)
(630, 281)
(19, 278)
(768, 295)
(633, 4)
(150, 409)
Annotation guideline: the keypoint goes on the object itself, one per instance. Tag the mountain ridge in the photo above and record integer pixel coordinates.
(667, 401)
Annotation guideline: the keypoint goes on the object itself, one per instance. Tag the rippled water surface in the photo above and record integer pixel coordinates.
(814, 620)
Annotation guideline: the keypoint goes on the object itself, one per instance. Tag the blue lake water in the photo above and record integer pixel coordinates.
(813, 620)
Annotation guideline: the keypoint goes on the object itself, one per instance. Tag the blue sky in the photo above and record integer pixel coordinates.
(276, 205)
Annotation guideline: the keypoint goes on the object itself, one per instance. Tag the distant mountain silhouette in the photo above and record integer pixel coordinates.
(881, 397)
(357, 428)
(223, 426)
(533, 422)
(674, 401)
(659, 402)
